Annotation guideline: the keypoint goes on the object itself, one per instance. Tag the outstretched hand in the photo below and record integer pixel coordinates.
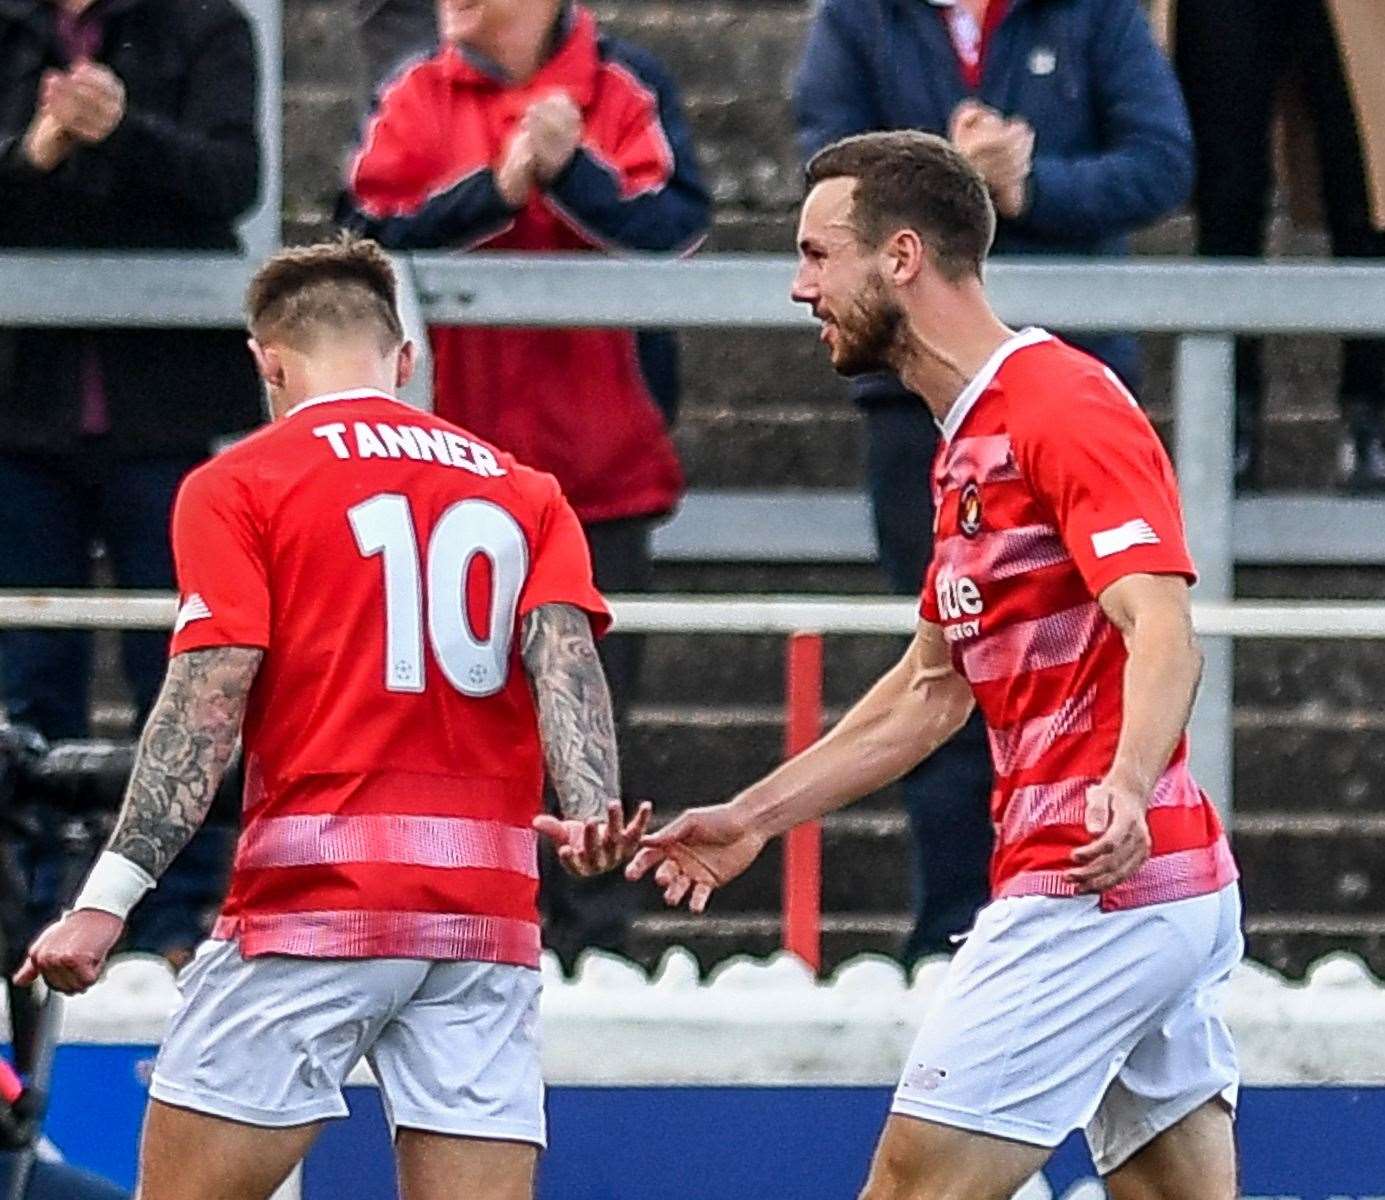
(594, 847)
(697, 852)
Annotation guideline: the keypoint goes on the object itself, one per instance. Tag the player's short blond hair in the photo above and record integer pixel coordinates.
(305, 293)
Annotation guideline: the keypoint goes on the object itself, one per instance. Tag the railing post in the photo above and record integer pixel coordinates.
(802, 919)
(1204, 439)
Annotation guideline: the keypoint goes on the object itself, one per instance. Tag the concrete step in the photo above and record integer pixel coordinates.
(321, 46)
(746, 149)
(1311, 676)
(320, 129)
(1309, 762)
(735, 371)
(748, 229)
(804, 446)
(749, 668)
(752, 49)
(1311, 583)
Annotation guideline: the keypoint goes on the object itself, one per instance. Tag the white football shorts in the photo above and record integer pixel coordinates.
(271, 1040)
(1056, 1016)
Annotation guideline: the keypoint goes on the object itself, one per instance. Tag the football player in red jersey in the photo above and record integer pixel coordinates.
(1057, 601)
(397, 620)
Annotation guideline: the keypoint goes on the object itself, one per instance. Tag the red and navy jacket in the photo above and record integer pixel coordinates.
(573, 402)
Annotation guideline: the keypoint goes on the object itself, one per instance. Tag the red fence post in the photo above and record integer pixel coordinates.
(803, 845)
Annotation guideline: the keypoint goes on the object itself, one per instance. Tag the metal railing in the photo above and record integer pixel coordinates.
(1204, 304)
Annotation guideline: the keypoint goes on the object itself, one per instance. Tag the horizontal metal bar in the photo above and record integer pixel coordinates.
(731, 614)
(1308, 529)
(1155, 295)
(834, 525)
(763, 526)
(185, 290)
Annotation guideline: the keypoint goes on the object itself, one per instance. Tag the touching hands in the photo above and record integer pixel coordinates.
(594, 847)
(71, 953)
(1001, 149)
(84, 104)
(554, 126)
(517, 174)
(1121, 842)
(697, 852)
(87, 101)
(545, 141)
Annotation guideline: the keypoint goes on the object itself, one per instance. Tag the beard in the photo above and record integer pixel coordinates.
(868, 333)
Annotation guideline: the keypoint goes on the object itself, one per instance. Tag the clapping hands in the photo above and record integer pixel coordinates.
(80, 105)
(1000, 148)
(543, 144)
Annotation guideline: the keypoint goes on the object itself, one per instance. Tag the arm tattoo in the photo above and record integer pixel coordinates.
(189, 739)
(575, 722)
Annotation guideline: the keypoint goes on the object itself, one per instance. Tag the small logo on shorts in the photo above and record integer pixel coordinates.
(969, 510)
(926, 1079)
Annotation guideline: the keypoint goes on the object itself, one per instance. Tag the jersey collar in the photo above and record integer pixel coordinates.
(970, 394)
(333, 397)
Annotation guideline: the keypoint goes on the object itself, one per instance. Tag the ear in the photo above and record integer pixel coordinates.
(905, 256)
(405, 365)
(268, 362)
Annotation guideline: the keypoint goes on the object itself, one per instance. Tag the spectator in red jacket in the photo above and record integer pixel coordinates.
(530, 130)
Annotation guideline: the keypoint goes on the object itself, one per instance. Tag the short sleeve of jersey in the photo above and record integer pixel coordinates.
(1104, 474)
(223, 581)
(561, 572)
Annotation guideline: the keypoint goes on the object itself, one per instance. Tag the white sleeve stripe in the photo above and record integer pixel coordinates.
(1138, 532)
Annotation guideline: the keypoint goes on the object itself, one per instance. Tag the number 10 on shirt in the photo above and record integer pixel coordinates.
(476, 666)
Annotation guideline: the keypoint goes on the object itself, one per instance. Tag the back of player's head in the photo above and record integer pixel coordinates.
(307, 294)
(919, 181)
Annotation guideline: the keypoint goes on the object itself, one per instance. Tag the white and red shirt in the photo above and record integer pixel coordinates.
(1050, 485)
(384, 560)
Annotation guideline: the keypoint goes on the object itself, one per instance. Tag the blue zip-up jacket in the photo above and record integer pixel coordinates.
(1112, 146)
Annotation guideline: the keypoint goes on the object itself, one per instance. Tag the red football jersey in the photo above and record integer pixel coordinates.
(384, 560)
(1051, 485)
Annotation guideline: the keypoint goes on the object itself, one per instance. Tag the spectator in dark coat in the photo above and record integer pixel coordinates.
(1073, 116)
(124, 125)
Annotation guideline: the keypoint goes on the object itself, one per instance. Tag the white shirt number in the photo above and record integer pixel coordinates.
(475, 666)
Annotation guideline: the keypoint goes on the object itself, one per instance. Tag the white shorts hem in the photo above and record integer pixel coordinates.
(489, 1131)
(234, 1110)
(1158, 1121)
(974, 1122)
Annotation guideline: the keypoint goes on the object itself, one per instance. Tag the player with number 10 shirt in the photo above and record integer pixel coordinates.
(398, 621)
(392, 757)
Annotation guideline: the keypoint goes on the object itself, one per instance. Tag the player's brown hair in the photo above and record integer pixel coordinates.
(918, 181)
(305, 291)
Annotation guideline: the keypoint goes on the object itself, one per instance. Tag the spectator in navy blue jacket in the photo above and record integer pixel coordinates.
(1073, 116)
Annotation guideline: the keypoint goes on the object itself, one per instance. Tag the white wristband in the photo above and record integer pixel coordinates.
(115, 885)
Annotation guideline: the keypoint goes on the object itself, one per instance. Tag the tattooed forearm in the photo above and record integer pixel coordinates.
(183, 753)
(575, 723)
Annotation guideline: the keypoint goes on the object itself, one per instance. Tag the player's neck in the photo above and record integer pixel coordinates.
(330, 379)
(946, 349)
